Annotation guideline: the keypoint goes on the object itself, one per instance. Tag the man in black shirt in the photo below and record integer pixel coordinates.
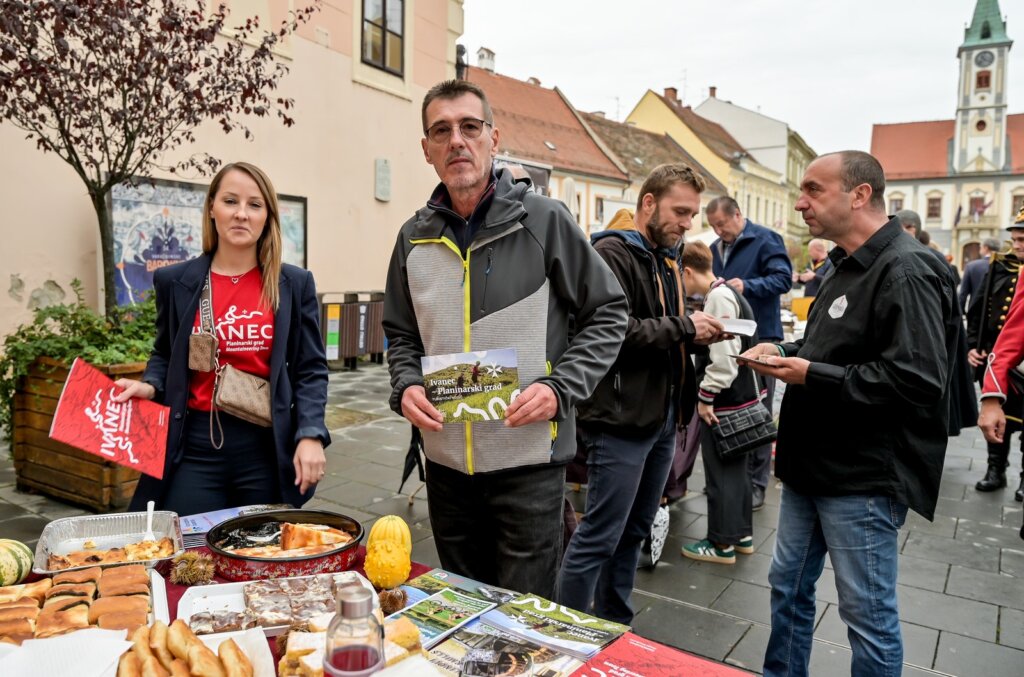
(862, 435)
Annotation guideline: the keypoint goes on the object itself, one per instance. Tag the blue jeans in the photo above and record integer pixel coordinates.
(859, 533)
(625, 480)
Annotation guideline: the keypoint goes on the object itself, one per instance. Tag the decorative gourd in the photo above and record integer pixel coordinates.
(15, 561)
(391, 528)
(387, 564)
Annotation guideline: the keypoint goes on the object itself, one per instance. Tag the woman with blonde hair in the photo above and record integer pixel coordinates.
(237, 308)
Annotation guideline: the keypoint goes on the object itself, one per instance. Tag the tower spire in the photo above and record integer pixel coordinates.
(988, 28)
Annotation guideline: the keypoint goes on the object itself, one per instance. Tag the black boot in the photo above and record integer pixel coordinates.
(1019, 494)
(995, 476)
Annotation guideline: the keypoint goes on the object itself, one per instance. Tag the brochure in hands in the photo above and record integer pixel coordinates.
(131, 433)
(469, 387)
(553, 626)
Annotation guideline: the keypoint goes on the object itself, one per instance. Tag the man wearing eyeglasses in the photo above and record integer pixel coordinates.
(489, 264)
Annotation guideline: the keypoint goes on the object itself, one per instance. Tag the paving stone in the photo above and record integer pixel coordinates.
(998, 535)
(943, 525)
(355, 494)
(752, 603)
(343, 465)
(1012, 515)
(673, 578)
(424, 551)
(696, 630)
(986, 587)
(387, 477)
(9, 510)
(417, 512)
(952, 490)
(981, 512)
(922, 573)
(943, 612)
(25, 528)
(965, 553)
(385, 456)
(767, 517)
(687, 524)
(919, 642)
(1012, 562)
(961, 655)
(748, 568)
(1011, 628)
(698, 504)
(749, 651)
(354, 513)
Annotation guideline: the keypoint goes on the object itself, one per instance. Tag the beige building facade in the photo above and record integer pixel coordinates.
(358, 81)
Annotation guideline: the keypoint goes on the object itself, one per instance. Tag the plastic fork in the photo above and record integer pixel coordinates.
(150, 536)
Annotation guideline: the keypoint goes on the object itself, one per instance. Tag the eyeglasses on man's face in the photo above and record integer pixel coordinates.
(469, 128)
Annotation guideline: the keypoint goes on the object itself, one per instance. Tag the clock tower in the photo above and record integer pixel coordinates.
(980, 144)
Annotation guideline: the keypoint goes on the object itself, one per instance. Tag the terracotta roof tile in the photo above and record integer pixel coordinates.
(530, 116)
(920, 150)
(711, 133)
(641, 151)
(913, 150)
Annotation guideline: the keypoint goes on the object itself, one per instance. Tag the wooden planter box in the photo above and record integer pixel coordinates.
(55, 469)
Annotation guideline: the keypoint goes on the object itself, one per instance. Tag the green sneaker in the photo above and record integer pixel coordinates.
(745, 546)
(705, 551)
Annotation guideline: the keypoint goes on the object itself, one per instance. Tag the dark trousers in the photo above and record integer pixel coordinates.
(502, 528)
(626, 477)
(727, 486)
(760, 460)
(242, 472)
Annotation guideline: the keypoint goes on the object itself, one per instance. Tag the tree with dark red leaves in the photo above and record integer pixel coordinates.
(111, 86)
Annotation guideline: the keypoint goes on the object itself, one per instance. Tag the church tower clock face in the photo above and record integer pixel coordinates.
(984, 59)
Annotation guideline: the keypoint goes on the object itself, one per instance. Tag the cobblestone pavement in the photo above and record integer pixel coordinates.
(960, 593)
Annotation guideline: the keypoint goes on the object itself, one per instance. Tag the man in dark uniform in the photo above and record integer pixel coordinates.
(985, 318)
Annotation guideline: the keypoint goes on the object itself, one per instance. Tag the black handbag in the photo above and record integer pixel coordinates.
(742, 430)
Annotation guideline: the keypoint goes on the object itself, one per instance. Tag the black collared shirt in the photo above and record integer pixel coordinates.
(881, 337)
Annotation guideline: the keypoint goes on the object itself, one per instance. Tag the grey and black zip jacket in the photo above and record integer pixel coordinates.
(527, 269)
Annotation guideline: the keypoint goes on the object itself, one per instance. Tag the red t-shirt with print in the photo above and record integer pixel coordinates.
(244, 328)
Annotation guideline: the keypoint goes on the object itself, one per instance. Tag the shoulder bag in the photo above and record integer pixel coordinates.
(237, 392)
(740, 431)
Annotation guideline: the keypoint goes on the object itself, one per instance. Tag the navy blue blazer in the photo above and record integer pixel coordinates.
(298, 370)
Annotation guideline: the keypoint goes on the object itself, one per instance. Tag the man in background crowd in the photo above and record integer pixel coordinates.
(754, 262)
(974, 273)
(820, 266)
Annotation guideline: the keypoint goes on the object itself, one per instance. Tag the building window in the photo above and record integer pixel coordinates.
(895, 204)
(383, 28)
(983, 80)
(1018, 204)
(934, 207)
(599, 210)
(977, 206)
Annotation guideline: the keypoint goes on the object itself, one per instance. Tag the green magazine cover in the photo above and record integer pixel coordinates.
(470, 387)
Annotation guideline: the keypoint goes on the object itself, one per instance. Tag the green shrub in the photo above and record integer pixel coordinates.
(68, 330)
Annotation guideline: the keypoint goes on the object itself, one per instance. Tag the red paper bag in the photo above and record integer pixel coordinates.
(132, 433)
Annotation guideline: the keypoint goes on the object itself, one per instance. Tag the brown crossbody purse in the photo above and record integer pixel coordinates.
(239, 393)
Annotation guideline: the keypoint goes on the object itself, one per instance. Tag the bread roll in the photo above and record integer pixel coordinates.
(14, 613)
(64, 603)
(18, 629)
(130, 570)
(202, 662)
(37, 590)
(20, 603)
(178, 639)
(90, 575)
(129, 665)
(106, 605)
(123, 620)
(179, 668)
(158, 643)
(110, 587)
(236, 664)
(151, 667)
(140, 638)
(71, 590)
(50, 623)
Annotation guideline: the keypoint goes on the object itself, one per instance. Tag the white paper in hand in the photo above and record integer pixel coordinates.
(738, 327)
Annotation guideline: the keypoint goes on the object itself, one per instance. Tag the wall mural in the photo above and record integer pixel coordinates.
(158, 223)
